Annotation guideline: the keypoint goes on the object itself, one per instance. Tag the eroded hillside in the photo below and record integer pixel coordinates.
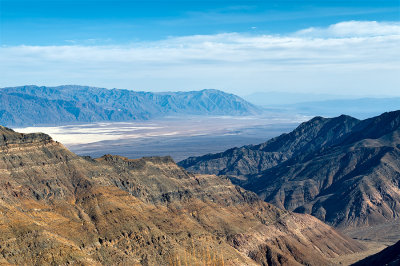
(57, 207)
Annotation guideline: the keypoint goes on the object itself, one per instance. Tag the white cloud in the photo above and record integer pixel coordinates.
(355, 55)
(354, 29)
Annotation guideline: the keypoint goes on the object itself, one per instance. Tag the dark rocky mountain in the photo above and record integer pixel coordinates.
(390, 256)
(342, 170)
(33, 105)
(59, 208)
(252, 159)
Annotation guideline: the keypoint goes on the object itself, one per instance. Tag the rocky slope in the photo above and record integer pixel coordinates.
(389, 256)
(309, 136)
(59, 208)
(29, 105)
(342, 170)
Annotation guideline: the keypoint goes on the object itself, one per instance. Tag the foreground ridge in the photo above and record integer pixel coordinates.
(59, 208)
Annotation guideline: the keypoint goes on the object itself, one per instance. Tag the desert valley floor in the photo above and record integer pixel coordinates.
(179, 137)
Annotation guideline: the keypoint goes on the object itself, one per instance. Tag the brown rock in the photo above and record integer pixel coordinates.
(59, 208)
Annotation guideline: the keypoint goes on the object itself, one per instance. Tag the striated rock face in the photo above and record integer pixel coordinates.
(344, 171)
(59, 208)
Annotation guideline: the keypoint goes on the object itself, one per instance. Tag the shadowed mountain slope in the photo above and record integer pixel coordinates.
(309, 136)
(390, 256)
(344, 171)
(59, 208)
(29, 105)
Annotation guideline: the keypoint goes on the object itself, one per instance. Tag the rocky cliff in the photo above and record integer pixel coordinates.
(59, 208)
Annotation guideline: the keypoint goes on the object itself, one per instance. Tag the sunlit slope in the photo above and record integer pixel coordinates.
(57, 207)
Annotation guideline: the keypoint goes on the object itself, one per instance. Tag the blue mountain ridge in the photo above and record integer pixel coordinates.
(34, 105)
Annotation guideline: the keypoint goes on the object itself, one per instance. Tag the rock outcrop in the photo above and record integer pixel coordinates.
(59, 208)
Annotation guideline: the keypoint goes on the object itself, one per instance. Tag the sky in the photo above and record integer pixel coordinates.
(320, 47)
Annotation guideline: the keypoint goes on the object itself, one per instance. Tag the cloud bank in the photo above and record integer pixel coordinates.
(354, 57)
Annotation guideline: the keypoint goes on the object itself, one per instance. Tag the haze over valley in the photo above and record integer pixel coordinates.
(177, 137)
(96, 121)
(188, 133)
(294, 169)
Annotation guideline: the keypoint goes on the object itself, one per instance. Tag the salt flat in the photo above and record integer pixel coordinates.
(179, 137)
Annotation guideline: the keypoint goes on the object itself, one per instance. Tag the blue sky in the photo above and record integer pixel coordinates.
(339, 47)
(56, 22)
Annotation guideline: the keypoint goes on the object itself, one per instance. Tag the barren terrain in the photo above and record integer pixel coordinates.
(174, 136)
(373, 247)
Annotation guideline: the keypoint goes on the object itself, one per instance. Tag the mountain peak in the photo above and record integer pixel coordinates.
(375, 127)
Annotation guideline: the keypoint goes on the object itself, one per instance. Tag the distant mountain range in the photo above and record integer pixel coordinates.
(324, 104)
(33, 105)
(342, 170)
(361, 108)
(273, 98)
